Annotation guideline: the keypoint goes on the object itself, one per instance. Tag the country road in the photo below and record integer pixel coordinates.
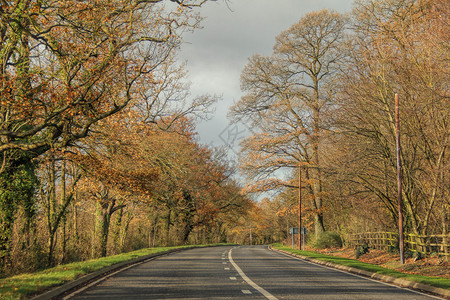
(246, 272)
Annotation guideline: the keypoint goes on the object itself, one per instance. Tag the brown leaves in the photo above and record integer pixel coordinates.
(73, 63)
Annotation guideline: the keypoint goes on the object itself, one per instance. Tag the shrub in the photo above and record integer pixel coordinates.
(360, 250)
(418, 256)
(327, 239)
(393, 249)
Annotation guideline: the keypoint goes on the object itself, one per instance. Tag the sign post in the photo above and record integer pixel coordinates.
(303, 232)
(292, 236)
(292, 231)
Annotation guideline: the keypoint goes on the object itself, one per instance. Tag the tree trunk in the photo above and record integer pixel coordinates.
(64, 220)
(168, 223)
(51, 212)
(124, 231)
(103, 220)
(56, 214)
(117, 231)
(106, 207)
(186, 232)
(316, 166)
(153, 230)
(104, 231)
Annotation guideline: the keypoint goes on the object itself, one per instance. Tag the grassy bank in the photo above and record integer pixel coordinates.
(25, 285)
(434, 281)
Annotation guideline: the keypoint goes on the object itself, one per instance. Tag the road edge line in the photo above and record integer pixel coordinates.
(379, 277)
(249, 281)
(60, 290)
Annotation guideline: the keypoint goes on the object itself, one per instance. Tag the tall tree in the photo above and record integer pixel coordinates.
(68, 64)
(65, 65)
(400, 46)
(289, 101)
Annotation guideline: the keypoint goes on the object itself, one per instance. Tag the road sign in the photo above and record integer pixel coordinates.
(293, 230)
(304, 230)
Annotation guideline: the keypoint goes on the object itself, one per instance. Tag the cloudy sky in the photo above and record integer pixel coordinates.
(217, 53)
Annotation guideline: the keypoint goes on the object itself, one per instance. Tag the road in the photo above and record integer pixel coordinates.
(245, 272)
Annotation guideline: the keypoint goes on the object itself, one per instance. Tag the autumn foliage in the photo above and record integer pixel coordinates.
(324, 102)
(99, 151)
(97, 134)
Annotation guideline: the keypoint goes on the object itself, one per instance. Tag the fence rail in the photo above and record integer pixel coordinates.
(425, 244)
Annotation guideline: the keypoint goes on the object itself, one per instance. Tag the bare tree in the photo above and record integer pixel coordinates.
(400, 46)
(289, 99)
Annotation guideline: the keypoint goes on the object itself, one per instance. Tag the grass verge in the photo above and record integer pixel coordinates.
(433, 281)
(26, 285)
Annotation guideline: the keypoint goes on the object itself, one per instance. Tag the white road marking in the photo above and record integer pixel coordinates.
(224, 263)
(227, 268)
(232, 278)
(249, 281)
(247, 292)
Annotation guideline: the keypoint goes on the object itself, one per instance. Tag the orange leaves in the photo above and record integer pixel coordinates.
(81, 61)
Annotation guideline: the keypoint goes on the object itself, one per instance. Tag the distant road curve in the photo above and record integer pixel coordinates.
(245, 272)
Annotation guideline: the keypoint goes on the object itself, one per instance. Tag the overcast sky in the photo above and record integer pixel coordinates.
(217, 53)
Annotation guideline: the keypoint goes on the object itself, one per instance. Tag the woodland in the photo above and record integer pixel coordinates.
(323, 103)
(100, 155)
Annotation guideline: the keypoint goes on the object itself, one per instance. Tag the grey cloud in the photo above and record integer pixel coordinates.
(217, 53)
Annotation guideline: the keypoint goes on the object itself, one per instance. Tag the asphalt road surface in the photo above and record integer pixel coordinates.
(245, 272)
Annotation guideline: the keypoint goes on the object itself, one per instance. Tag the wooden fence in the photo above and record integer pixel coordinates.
(426, 244)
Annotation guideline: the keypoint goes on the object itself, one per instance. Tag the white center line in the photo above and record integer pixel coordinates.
(249, 281)
(247, 292)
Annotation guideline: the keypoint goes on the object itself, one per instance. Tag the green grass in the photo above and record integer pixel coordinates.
(434, 281)
(25, 285)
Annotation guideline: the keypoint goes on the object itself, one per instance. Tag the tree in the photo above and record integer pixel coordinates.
(17, 190)
(52, 169)
(399, 47)
(289, 100)
(65, 65)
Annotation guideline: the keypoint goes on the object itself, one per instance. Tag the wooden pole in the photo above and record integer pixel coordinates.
(399, 182)
(299, 207)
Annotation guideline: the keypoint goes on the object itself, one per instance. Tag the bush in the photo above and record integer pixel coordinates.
(363, 249)
(418, 256)
(414, 254)
(327, 239)
(393, 249)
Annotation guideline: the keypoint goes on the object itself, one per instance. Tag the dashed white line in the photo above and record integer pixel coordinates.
(249, 281)
(232, 278)
(247, 292)
(227, 268)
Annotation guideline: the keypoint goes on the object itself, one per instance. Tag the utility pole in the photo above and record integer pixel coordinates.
(300, 207)
(399, 182)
